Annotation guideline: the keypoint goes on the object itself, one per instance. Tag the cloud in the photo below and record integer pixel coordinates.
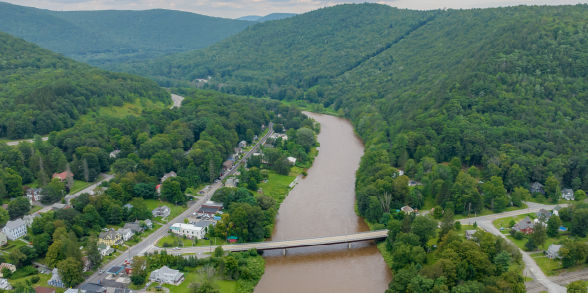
(237, 8)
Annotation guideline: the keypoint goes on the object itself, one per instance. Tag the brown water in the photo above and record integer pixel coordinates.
(322, 204)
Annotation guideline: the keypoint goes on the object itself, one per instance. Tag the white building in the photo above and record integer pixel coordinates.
(567, 194)
(10, 267)
(168, 175)
(105, 249)
(55, 280)
(188, 230)
(553, 251)
(167, 275)
(3, 239)
(4, 285)
(126, 233)
(15, 229)
(34, 194)
(28, 219)
(292, 160)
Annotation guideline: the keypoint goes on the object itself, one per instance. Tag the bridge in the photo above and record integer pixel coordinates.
(271, 245)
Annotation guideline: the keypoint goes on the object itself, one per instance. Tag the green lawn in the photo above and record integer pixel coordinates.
(174, 241)
(80, 185)
(277, 186)
(505, 222)
(194, 275)
(486, 212)
(132, 109)
(547, 265)
(34, 208)
(175, 210)
(12, 246)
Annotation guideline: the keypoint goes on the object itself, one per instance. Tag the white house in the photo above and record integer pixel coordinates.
(114, 154)
(162, 211)
(105, 249)
(55, 280)
(28, 219)
(3, 239)
(15, 229)
(567, 194)
(126, 233)
(553, 251)
(242, 144)
(4, 285)
(469, 234)
(34, 194)
(188, 230)
(168, 175)
(292, 160)
(166, 275)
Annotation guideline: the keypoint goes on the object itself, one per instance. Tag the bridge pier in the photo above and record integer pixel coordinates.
(349, 245)
(284, 252)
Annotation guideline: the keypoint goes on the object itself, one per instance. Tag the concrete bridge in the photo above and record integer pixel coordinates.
(271, 245)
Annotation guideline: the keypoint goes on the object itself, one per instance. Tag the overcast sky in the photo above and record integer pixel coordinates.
(238, 8)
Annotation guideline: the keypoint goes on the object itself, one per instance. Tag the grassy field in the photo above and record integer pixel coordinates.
(547, 265)
(174, 209)
(132, 109)
(195, 276)
(505, 222)
(277, 186)
(80, 185)
(486, 212)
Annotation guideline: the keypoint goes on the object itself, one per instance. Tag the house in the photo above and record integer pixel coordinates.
(413, 183)
(8, 266)
(114, 154)
(44, 290)
(553, 251)
(292, 160)
(28, 219)
(231, 182)
(166, 275)
(3, 239)
(209, 209)
(55, 280)
(537, 187)
(118, 290)
(92, 288)
(227, 165)
(105, 250)
(524, 226)
(125, 233)
(15, 229)
(204, 225)
(110, 238)
(237, 150)
(135, 227)
(34, 194)
(168, 175)
(62, 176)
(407, 210)
(543, 215)
(242, 144)
(255, 138)
(128, 206)
(71, 290)
(4, 285)
(555, 210)
(148, 223)
(158, 188)
(469, 234)
(567, 194)
(188, 230)
(162, 211)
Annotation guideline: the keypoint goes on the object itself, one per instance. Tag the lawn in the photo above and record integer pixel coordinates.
(547, 265)
(505, 222)
(132, 109)
(80, 185)
(13, 245)
(277, 186)
(193, 275)
(175, 210)
(486, 212)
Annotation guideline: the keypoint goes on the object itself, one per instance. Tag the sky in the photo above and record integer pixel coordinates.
(238, 8)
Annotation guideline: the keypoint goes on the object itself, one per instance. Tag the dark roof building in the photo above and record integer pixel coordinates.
(93, 288)
(524, 226)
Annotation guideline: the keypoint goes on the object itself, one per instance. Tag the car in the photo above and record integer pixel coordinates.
(102, 271)
(176, 248)
(205, 238)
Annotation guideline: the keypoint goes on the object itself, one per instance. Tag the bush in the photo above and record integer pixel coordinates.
(35, 279)
(518, 235)
(457, 226)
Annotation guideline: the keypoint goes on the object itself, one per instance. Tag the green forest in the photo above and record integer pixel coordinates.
(108, 37)
(41, 91)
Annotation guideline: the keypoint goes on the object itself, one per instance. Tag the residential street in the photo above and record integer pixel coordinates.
(16, 142)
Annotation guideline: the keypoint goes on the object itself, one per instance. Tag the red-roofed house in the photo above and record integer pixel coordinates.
(62, 176)
(158, 188)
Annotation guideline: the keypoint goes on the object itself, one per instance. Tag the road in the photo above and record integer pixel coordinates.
(16, 142)
(177, 101)
(485, 222)
(147, 244)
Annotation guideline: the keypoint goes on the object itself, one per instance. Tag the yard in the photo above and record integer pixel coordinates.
(80, 185)
(195, 275)
(174, 209)
(277, 185)
(175, 241)
(486, 212)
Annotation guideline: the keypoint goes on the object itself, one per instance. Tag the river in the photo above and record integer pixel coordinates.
(322, 204)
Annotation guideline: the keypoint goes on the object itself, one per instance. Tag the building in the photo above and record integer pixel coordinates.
(148, 223)
(125, 233)
(567, 194)
(543, 215)
(168, 175)
(162, 211)
(114, 154)
(135, 227)
(105, 250)
(8, 266)
(210, 208)
(55, 280)
(204, 225)
(227, 165)
(242, 144)
(292, 160)
(110, 238)
(469, 234)
(188, 230)
(537, 187)
(407, 210)
(553, 251)
(44, 290)
(524, 226)
(555, 210)
(62, 176)
(115, 270)
(3, 239)
(15, 229)
(28, 219)
(4, 285)
(118, 290)
(167, 276)
(231, 182)
(128, 206)
(34, 194)
(92, 288)
(71, 290)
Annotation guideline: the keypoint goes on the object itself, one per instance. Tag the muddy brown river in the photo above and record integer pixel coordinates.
(322, 204)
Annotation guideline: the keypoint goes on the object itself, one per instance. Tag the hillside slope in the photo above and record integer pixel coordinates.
(108, 37)
(41, 91)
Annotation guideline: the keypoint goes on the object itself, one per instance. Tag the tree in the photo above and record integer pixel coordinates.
(552, 189)
(579, 195)
(248, 221)
(576, 287)
(424, 227)
(218, 251)
(92, 253)
(579, 225)
(502, 261)
(70, 271)
(144, 190)
(4, 217)
(17, 258)
(54, 191)
(171, 191)
(204, 287)
(553, 225)
(305, 138)
(18, 207)
(495, 194)
(54, 253)
(139, 270)
(539, 235)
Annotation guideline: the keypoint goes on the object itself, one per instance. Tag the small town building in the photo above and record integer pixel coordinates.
(44, 290)
(62, 176)
(92, 288)
(227, 165)
(167, 276)
(3, 239)
(188, 230)
(168, 175)
(104, 249)
(537, 187)
(162, 211)
(242, 144)
(407, 210)
(72, 290)
(148, 223)
(55, 280)
(28, 219)
(567, 194)
(125, 233)
(110, 238)
(543, 215)
(4, 285)
(9, 266)
(118, 290)
(135, 227)
(555, 210)
(34, 194)
(115, 270)
(413, 183)
(237, 150)
(231, 182)
(128, 206)
(292, 160)
(524, 226)
(553, 251)
(204, 224)
(210, 208)
(114, 154)
(15, 229)
(469, 234)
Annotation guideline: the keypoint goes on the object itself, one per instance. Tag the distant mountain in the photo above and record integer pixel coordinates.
(250, 18)
(41, 91)
(273, 16)
(107, 37)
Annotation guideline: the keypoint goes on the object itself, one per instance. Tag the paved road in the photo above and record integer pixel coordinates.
(485, 222)
(16, 142)
(147, 244)
(177, 101)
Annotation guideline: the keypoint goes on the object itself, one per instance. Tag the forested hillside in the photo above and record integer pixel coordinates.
(105, 38)
(503, 90)
(41, 91)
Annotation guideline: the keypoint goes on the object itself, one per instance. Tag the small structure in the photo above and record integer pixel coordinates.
(567, 194)
(292, 160)
(148, 223)
(227, 165)
(128, 206)
(209, 209)
(553, 251)
(135, 227)
(44, 290)
(242, 144)
(188, 230)
(407, 210)
(537, 187)
(105, 250)
(3, 239)
(62, 176)
(524, 226)
(469, 234)
(9, 266)
(562, 229)
(543, 215)
(158, 188)
(555, 210)
(71, 290)
(231, 182)
(168, 175)
(232, 239)
(110, 238)
(15, 229)
(413, 183)
(237, 150)
(162, 211)
(28, 219)
(204, 225)
(114, 154)
(118, 290)
(167, 276)
(4, 285)
(115, 270)
(55, 280)
(126, 234)
(34, 194)
(92, 288)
